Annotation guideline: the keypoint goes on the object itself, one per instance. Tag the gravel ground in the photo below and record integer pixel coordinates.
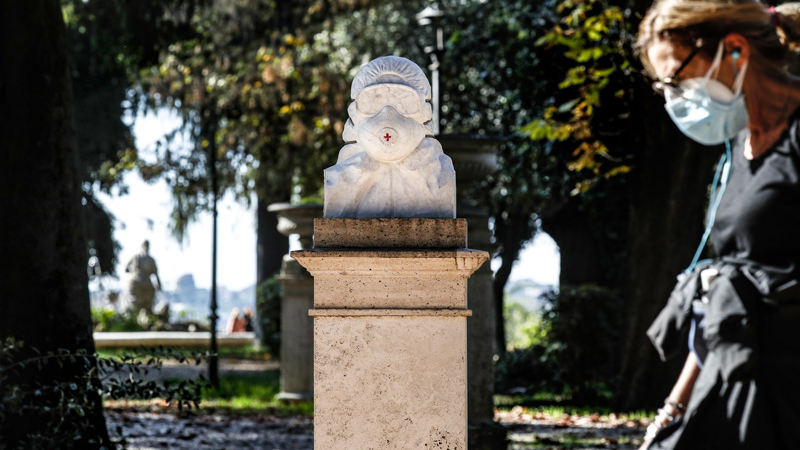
(162, 428)
(150, 431)
(528, 429)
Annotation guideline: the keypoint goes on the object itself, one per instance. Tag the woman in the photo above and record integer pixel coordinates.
(236, 324)
(721, 68)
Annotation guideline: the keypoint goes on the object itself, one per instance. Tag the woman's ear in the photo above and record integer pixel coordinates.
(739, 49)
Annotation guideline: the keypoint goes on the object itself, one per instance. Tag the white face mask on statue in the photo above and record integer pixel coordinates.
(389, 136)
(706, 110)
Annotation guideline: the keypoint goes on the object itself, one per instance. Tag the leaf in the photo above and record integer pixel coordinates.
(565, 107)
(546, 39)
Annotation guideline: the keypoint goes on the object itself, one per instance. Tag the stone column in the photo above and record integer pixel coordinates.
(474, 158)
(297, 328)
(390, 332)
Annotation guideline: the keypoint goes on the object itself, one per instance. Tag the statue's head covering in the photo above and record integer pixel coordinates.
(391, 69)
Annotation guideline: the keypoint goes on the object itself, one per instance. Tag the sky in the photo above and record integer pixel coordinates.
(144, 213)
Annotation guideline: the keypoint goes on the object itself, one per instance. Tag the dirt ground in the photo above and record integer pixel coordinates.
(206, 431)
(527, 430)
(150, 431)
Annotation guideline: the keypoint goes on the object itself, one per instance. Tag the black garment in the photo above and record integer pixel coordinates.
(758, 219)
(747, 395)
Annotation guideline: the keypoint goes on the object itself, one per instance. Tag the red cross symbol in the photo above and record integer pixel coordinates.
(387, 137)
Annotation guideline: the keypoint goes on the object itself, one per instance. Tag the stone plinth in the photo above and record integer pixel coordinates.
(390, 233)
(297, 328)
(390, 334)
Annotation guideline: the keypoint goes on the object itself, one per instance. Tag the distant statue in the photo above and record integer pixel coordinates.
(391, 165)
(140, 287)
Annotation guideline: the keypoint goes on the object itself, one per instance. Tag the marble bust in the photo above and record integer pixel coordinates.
(391, 165)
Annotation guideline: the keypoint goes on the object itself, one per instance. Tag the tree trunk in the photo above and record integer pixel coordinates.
(44, 297)
(271, 244)
(668, 200)
(569, 226)
(513, 233)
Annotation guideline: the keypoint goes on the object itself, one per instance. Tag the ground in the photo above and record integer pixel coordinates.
(243, 414)
(529, 429)
(160, 427)
(158, 430)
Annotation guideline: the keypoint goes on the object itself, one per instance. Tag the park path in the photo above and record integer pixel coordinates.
(206, 431)
(527, 429)
(153, 431)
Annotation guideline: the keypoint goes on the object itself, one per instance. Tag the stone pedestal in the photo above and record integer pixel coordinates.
(390, 332)
(475, 158)
(297, 328)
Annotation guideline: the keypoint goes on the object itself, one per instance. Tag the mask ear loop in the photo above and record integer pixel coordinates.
(714, 69)
(739, 82)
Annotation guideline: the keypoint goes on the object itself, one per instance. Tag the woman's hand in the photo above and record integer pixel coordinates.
(674, 405)
(666, 415)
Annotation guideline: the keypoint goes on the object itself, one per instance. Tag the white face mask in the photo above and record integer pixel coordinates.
(706, 110)
(389, 136)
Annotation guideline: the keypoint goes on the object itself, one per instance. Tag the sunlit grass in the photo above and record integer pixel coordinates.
(238, 394)
(252, 394)
(563, 441)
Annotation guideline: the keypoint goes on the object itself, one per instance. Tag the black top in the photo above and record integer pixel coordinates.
(758, 219)
(746, 396)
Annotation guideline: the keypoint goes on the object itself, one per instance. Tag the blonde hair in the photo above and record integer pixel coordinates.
(771, 32)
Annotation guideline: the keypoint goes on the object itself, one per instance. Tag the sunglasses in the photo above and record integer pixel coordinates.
(671, 82)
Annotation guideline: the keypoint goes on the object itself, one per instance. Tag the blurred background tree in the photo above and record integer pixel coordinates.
(633, 164)
(107, 42)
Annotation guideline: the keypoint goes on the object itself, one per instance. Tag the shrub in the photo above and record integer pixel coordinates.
(578, 354)
(104, 319)
(524, 328)
(39, 410)
(268, 307)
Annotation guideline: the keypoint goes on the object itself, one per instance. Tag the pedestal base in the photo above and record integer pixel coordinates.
(390, 334)
(390, 382)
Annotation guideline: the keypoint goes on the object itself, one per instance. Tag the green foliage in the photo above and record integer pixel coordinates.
(38, 411)
(104, 319)
(524, 328)
(268, 306)
(249, 87)
(586, 324)
(245, 394)
(597, 85)
(107, 40)
(577, 357)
